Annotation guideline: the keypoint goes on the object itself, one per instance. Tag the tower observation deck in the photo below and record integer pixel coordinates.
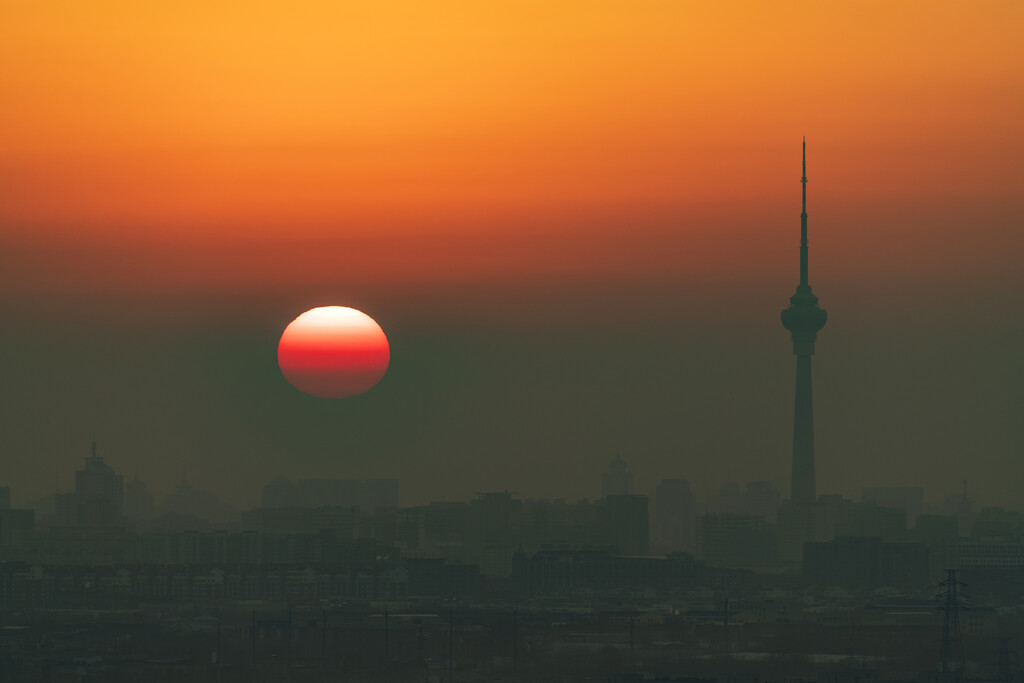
(804, 318)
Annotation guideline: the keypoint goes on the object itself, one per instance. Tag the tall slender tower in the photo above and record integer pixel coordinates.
(803, 319)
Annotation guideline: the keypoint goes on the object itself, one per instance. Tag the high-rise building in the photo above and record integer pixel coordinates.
(761, 499)
(446, 526)
(675, 509)
(617, 479)
(98, 498)
(185, 501)
(727, 539)
(493, 516)
(280, 493)
(907, 498)
(98, 481)
(626, 524)
(729, 499)
(495, 531)
(965, 513)
(865, 562)
(803, 319)
(138, 501)
(15, 526)
(369, 495)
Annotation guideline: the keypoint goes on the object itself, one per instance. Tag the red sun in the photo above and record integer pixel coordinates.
(333, 352)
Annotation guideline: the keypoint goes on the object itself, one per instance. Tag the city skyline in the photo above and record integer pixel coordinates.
(98, 480)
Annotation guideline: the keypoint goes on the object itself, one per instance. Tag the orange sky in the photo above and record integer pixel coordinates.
(440, 138)
(510, 165)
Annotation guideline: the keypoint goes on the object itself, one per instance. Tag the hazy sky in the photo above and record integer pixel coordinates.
(576, 222)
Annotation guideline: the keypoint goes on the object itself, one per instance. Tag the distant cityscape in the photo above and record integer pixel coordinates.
(728, 576)
(749, 527)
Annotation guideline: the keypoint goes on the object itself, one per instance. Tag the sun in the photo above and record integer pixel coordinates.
(333, 352)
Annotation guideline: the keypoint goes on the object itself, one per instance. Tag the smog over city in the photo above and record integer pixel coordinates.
(512, 342)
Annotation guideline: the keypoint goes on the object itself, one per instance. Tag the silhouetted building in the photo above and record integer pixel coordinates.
(617, 479)
(674, 518)
(936, 526)
(548, 524)
(830, 517)
(990, 552)
(761, 499)
(446, 526)
(998, 523)
(189, 502)
(727, 539)
(97, 481)
(5, 497)
(626, 523)
(367, 494)
(803, 319)
(496, 536)
(377, 494)
(798, 524)
(908, 498)
(728, 500)
(436, 577)
(339, 521)
(15, 526)
(963, 508)
(493, 515)
(865, 519)
(138, 501)
(98, 498)
(865, 562)
(280, 493)
(560, 572)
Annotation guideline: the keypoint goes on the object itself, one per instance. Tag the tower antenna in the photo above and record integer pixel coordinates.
(803, 220)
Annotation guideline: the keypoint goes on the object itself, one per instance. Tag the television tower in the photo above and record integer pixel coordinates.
(803, 319)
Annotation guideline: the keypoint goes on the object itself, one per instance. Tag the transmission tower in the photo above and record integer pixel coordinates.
(951, 652)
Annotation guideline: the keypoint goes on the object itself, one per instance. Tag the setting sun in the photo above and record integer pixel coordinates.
(333, 352)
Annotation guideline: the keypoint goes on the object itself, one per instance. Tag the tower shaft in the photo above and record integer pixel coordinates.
(803, 487)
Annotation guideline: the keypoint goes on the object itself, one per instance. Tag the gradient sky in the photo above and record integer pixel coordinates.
(576, 221)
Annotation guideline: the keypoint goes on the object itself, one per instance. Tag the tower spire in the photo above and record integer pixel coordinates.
(803, 220)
